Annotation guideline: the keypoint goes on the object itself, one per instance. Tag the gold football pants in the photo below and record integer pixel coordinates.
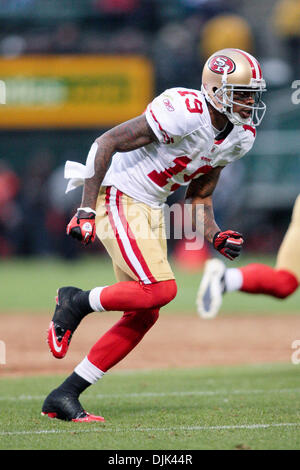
(134, 236)
(289, 252)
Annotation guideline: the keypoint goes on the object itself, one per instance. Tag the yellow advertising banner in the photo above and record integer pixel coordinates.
(73, 91)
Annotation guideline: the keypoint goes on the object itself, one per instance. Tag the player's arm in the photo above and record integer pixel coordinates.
(128, 136)
(200, 192)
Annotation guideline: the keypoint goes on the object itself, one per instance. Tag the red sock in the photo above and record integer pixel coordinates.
(117, 342)
(133, 295)
(262, 279)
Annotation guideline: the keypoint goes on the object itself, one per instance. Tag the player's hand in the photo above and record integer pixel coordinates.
(82, 226)
(228, 243)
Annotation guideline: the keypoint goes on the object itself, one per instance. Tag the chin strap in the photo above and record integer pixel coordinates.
(237, 120)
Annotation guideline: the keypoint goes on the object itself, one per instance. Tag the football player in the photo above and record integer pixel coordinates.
(184, 138)
(255, 278)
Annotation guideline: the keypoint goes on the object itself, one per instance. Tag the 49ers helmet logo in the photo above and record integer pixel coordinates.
(218, 64)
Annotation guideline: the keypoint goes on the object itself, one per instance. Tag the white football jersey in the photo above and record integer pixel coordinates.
(186, 148)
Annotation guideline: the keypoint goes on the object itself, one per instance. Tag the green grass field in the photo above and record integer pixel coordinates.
(250, 407)
(36, 282)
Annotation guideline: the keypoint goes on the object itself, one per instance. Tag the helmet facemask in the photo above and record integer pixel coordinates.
(225, 97)
(223, 100)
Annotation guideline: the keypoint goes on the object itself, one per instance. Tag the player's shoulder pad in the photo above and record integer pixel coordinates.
(172, 113)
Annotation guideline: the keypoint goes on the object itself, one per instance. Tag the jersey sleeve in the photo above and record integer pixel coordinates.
(169, 117)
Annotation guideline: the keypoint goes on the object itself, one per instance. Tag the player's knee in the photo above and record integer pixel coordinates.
(160, 293)
(286, 284)
(167, 292)
(150, 317)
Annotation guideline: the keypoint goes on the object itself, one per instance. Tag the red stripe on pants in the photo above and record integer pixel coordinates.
(132, 239)
(117, 235)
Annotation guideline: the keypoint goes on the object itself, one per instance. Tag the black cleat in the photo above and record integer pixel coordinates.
(65, 406)
(67, 316)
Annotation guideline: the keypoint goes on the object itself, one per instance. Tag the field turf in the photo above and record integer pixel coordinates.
(244, 407)
(253, 407)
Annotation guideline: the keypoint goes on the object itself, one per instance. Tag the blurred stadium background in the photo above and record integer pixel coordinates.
(71, 69)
